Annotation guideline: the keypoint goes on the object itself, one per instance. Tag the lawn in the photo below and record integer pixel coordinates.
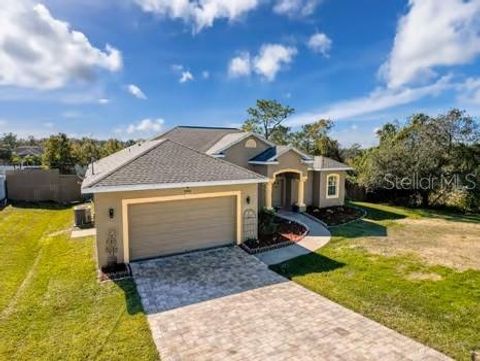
(415, 271)
(51, 305)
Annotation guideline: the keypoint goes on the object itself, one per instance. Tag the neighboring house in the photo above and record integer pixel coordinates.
(24, 151)
(198, 187)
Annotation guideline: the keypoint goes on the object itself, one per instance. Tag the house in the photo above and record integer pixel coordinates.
(199, 187)
(24, 151)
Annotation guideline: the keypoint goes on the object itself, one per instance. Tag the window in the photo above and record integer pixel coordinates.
(251, 143)
(332, 186)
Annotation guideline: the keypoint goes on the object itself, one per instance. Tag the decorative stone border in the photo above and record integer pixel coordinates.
(267, 248)
(279, 245)
(364, 213)
(115, 276)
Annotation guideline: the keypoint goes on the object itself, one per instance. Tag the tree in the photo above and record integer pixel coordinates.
(351, 153)
(9, 141)
(281, 135)
(426, 149)
(85, 151)
(266, 117)
(58, 153)
(313, 139)
(111, 146)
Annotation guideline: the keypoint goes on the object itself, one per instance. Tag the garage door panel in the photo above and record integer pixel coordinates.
(163, 228)
(206, 215)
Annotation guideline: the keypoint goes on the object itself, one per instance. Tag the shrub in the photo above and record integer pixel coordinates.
(266, 222)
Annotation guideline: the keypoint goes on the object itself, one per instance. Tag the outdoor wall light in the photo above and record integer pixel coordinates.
(110, 213)
(248, 199)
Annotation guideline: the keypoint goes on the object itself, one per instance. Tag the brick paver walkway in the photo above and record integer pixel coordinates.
(224, 304)
(317, 237)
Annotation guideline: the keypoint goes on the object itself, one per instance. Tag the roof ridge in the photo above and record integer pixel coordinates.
(205, 127)
(155, 143)
(218, 159)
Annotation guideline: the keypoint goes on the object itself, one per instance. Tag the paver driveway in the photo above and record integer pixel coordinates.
(224, 304)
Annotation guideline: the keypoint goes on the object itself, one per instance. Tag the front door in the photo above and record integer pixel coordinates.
(277, 196)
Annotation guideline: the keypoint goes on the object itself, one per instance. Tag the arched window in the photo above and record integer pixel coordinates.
(251, 143)
(333, 181)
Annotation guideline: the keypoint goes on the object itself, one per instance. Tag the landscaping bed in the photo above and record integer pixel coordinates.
(274, 232)
(115, 272)
(335, 216)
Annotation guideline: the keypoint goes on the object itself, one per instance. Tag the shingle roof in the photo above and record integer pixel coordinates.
(265, 155)
(198, 138)
(273, 153)
(26, 150)
(167, 162)
(225, 141)
(324, 163)
(107, 165)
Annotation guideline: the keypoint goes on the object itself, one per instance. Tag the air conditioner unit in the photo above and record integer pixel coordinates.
(82, 216)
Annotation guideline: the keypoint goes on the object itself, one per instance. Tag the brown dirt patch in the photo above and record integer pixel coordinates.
(420, 276)
(439, 242)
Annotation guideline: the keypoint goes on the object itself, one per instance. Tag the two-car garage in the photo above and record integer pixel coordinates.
(159, 228)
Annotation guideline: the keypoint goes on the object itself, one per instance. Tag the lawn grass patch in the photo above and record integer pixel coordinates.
(436, 305)
(61, 311)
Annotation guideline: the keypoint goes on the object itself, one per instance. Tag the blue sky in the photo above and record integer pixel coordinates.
(133, 68)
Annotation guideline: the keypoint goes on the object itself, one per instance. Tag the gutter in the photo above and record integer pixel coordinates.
(143, 187)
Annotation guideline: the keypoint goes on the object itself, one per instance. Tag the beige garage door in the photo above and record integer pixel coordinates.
(157, 229)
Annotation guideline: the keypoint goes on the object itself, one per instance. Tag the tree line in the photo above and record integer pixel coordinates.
(58, 151)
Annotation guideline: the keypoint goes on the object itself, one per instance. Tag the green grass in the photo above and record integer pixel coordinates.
(51, 305)
(444, 314)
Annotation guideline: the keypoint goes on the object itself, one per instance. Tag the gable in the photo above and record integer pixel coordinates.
(291, 159)
(241, 152)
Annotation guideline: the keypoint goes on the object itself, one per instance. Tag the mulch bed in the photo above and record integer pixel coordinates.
(335, 216)
(288, 233)
(114, 273)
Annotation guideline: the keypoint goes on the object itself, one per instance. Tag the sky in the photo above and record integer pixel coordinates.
(134, 68)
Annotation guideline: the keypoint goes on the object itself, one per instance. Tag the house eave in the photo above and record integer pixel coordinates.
(330, 169)
(143, 187)
(262, 163)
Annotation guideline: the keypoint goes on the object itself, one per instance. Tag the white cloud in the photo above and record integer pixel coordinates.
(270, 60)
(136, 91)
(433, 34)
(205, 74)
(379, 99)
(320, 43)
(185, 77)
(145, 126)
(103, 101)
(38, 51)
(469, 92)
(295, 7)
(240, 65)
(49, 125)
(201, 14)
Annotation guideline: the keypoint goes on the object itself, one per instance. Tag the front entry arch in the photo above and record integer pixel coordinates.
(285, 188)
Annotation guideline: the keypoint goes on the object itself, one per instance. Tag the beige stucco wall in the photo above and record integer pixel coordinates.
(239, 154)
(309, 189)
(289, 160)
(330, 202)
(105, 201)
